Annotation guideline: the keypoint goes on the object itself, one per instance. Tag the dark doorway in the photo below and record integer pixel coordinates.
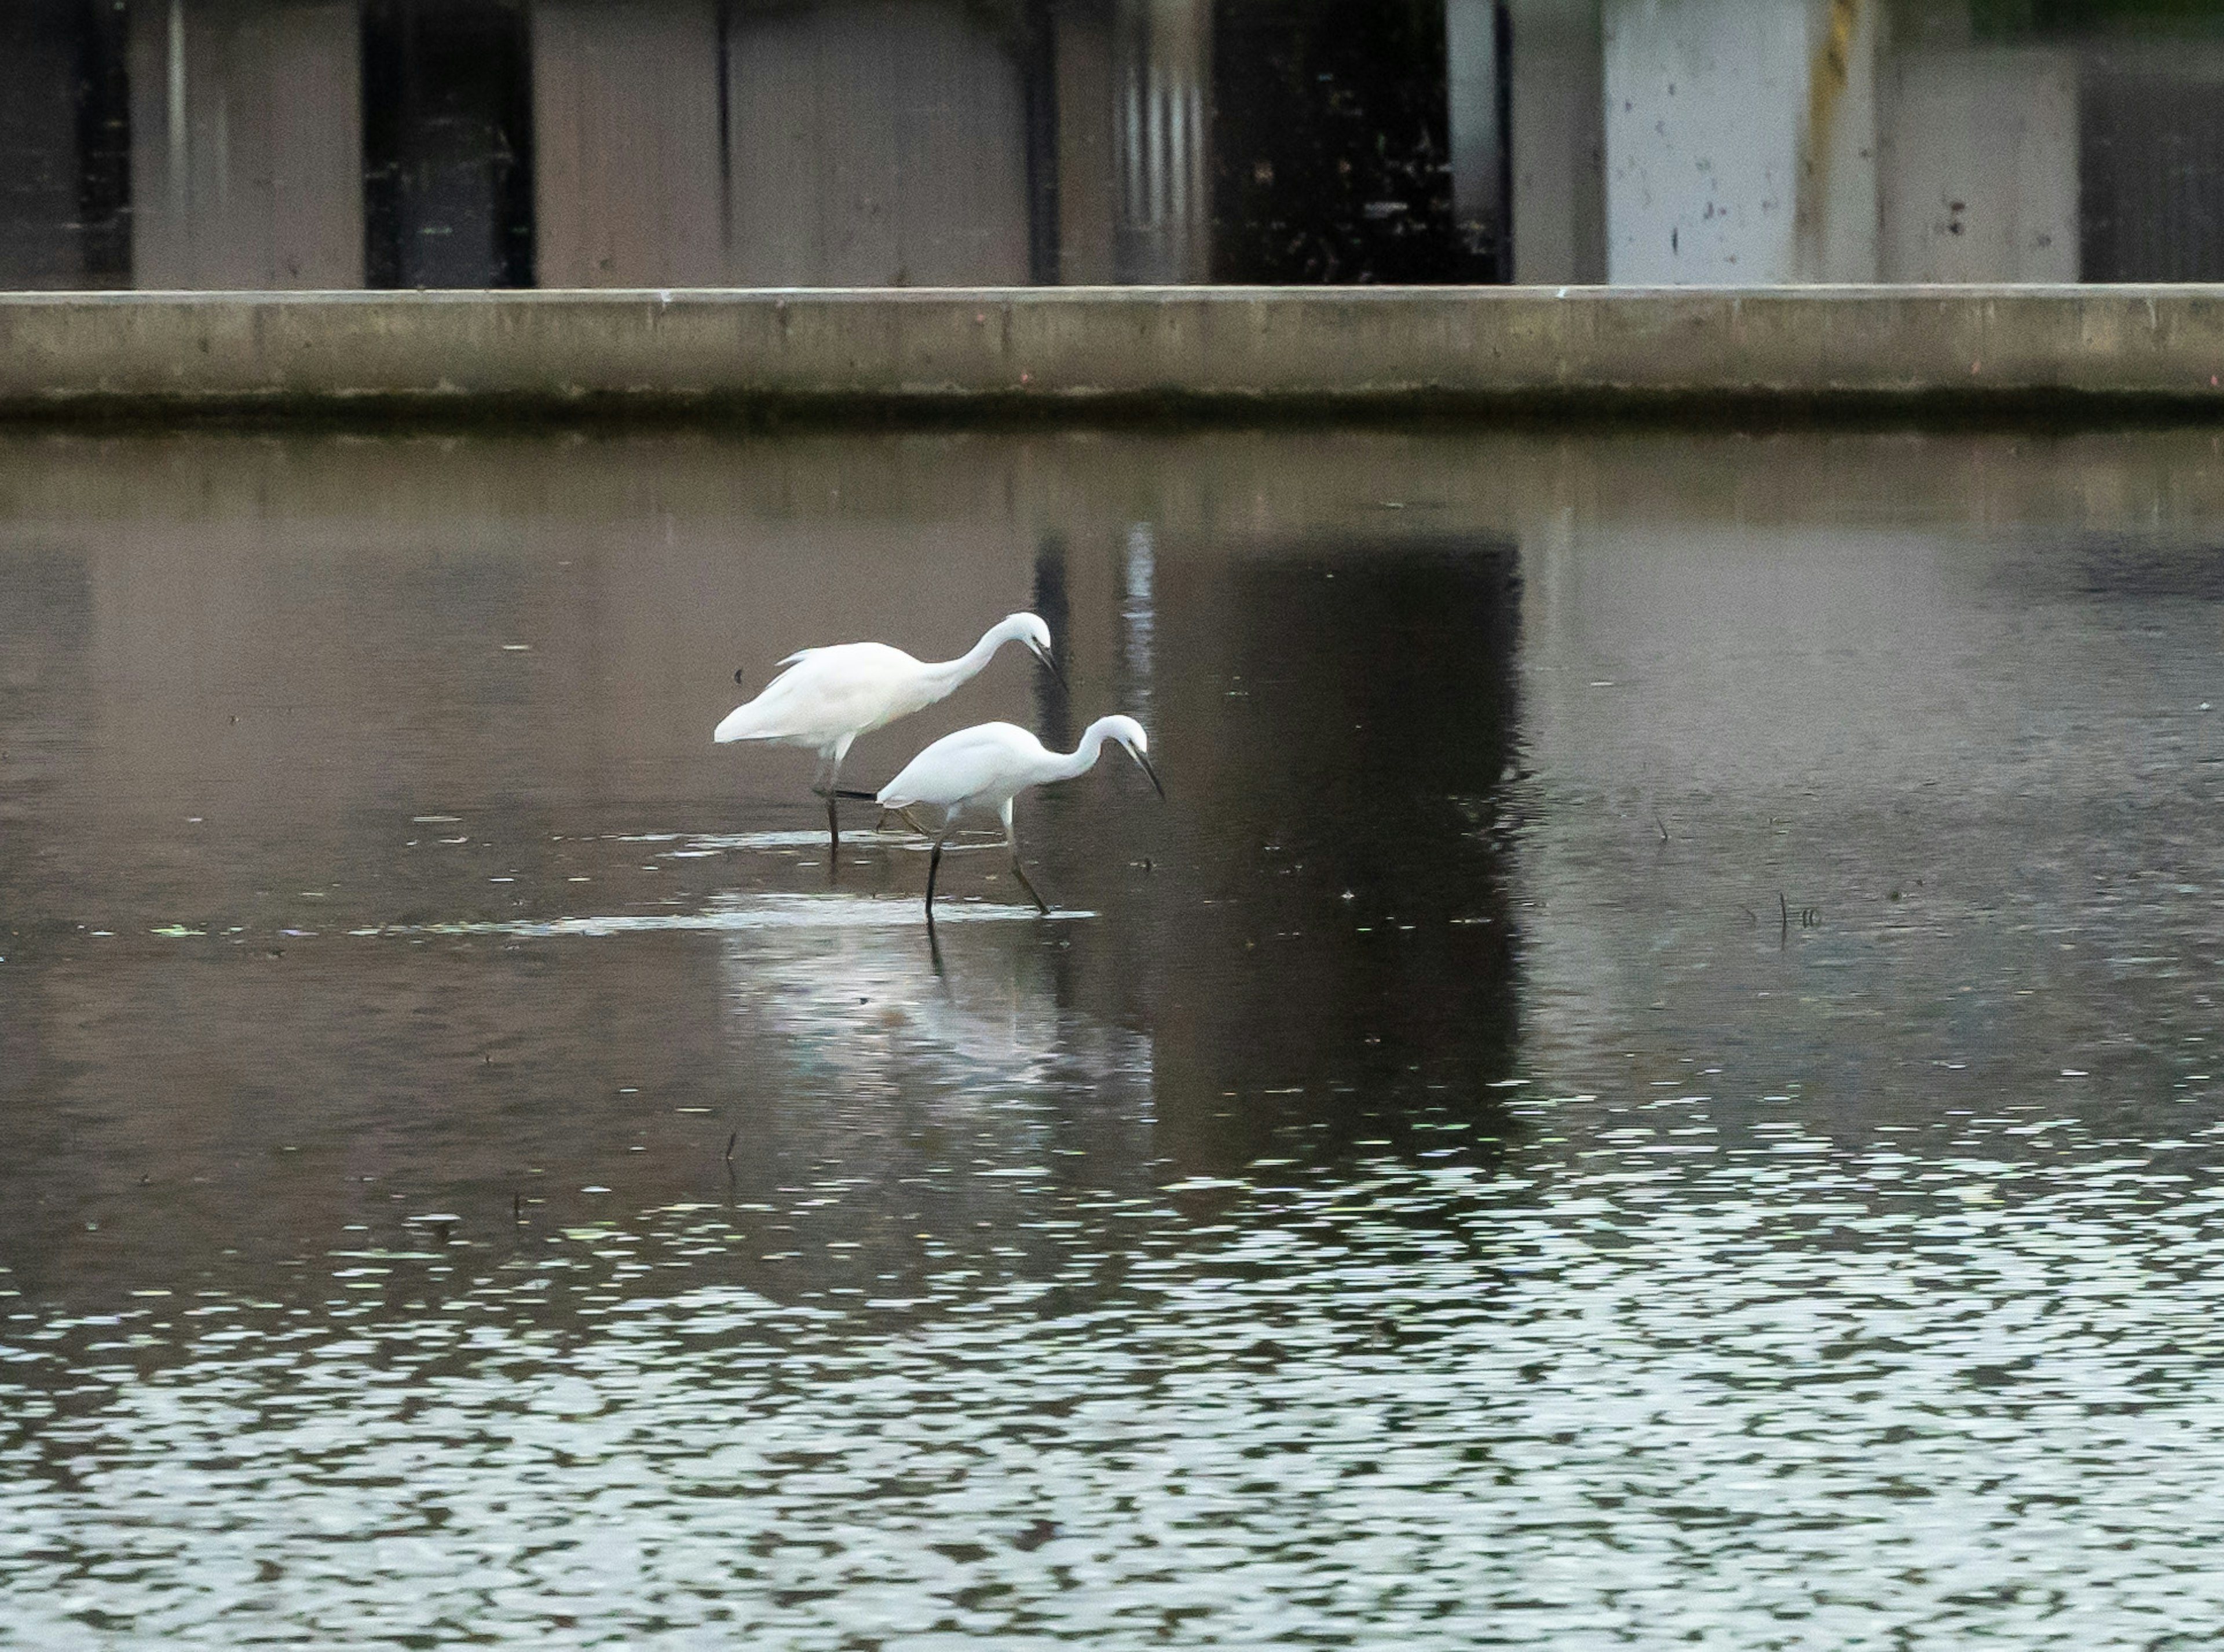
(65, 145)
(447, 99)
(1332, 153)
(2150, 170)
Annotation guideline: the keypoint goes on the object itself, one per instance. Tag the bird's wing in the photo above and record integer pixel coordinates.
(821, 694)
(989, 757)
(845, 662)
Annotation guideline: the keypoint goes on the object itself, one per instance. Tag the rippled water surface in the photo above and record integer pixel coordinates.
(1653, 1082)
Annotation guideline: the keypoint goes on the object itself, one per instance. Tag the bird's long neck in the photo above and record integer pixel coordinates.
(1065, 765)
(947, 674)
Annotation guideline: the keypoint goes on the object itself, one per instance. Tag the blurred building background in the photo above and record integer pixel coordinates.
(341, 143)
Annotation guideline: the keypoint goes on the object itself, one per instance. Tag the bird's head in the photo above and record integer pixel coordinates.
(1029, 631)
(1129, 733)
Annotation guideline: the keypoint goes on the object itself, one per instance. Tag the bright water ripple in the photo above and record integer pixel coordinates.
(1899, 1394)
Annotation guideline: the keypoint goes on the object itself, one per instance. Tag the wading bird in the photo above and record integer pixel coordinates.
(828, 696)
(983, 768)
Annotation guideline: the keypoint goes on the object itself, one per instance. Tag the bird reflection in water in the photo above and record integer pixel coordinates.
(939, 1098)
(1321, 964)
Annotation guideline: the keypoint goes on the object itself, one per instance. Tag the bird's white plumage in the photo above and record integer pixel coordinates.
(976, 767)
(827, 697)
(830, 695)
(981, 770)
(824, 698)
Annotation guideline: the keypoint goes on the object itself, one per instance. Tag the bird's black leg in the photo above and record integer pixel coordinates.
(1011, 842)
(1020, 873)
(830, 771)
(933, 866)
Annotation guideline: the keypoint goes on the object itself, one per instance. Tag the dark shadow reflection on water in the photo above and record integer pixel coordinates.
(1345, 965)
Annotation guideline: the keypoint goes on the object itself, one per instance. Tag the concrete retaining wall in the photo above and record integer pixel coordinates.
(2112, 350)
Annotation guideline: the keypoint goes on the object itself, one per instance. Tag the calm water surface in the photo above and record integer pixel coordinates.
(1655, 1079)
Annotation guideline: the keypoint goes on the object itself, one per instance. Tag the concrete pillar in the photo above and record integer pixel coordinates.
(876, 143)
(1838, 219)
(1738, 140)
(629, 172)
(1087, 183)
(1980, 177)
(246, 144)
(1558, 118)
(1162, 67)
(1475, 32)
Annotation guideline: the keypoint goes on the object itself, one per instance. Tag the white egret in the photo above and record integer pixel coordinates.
(825, 697)
(983, 768)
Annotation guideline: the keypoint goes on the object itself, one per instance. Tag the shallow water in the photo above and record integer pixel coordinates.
(1653, 1079)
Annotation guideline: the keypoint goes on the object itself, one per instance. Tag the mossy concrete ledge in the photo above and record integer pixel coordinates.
(1388, 349)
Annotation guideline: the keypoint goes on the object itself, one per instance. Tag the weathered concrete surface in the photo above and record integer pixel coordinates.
(1106, 348)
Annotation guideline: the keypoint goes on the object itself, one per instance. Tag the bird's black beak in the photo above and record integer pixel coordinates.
(1050, 665)
(1148, 770)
